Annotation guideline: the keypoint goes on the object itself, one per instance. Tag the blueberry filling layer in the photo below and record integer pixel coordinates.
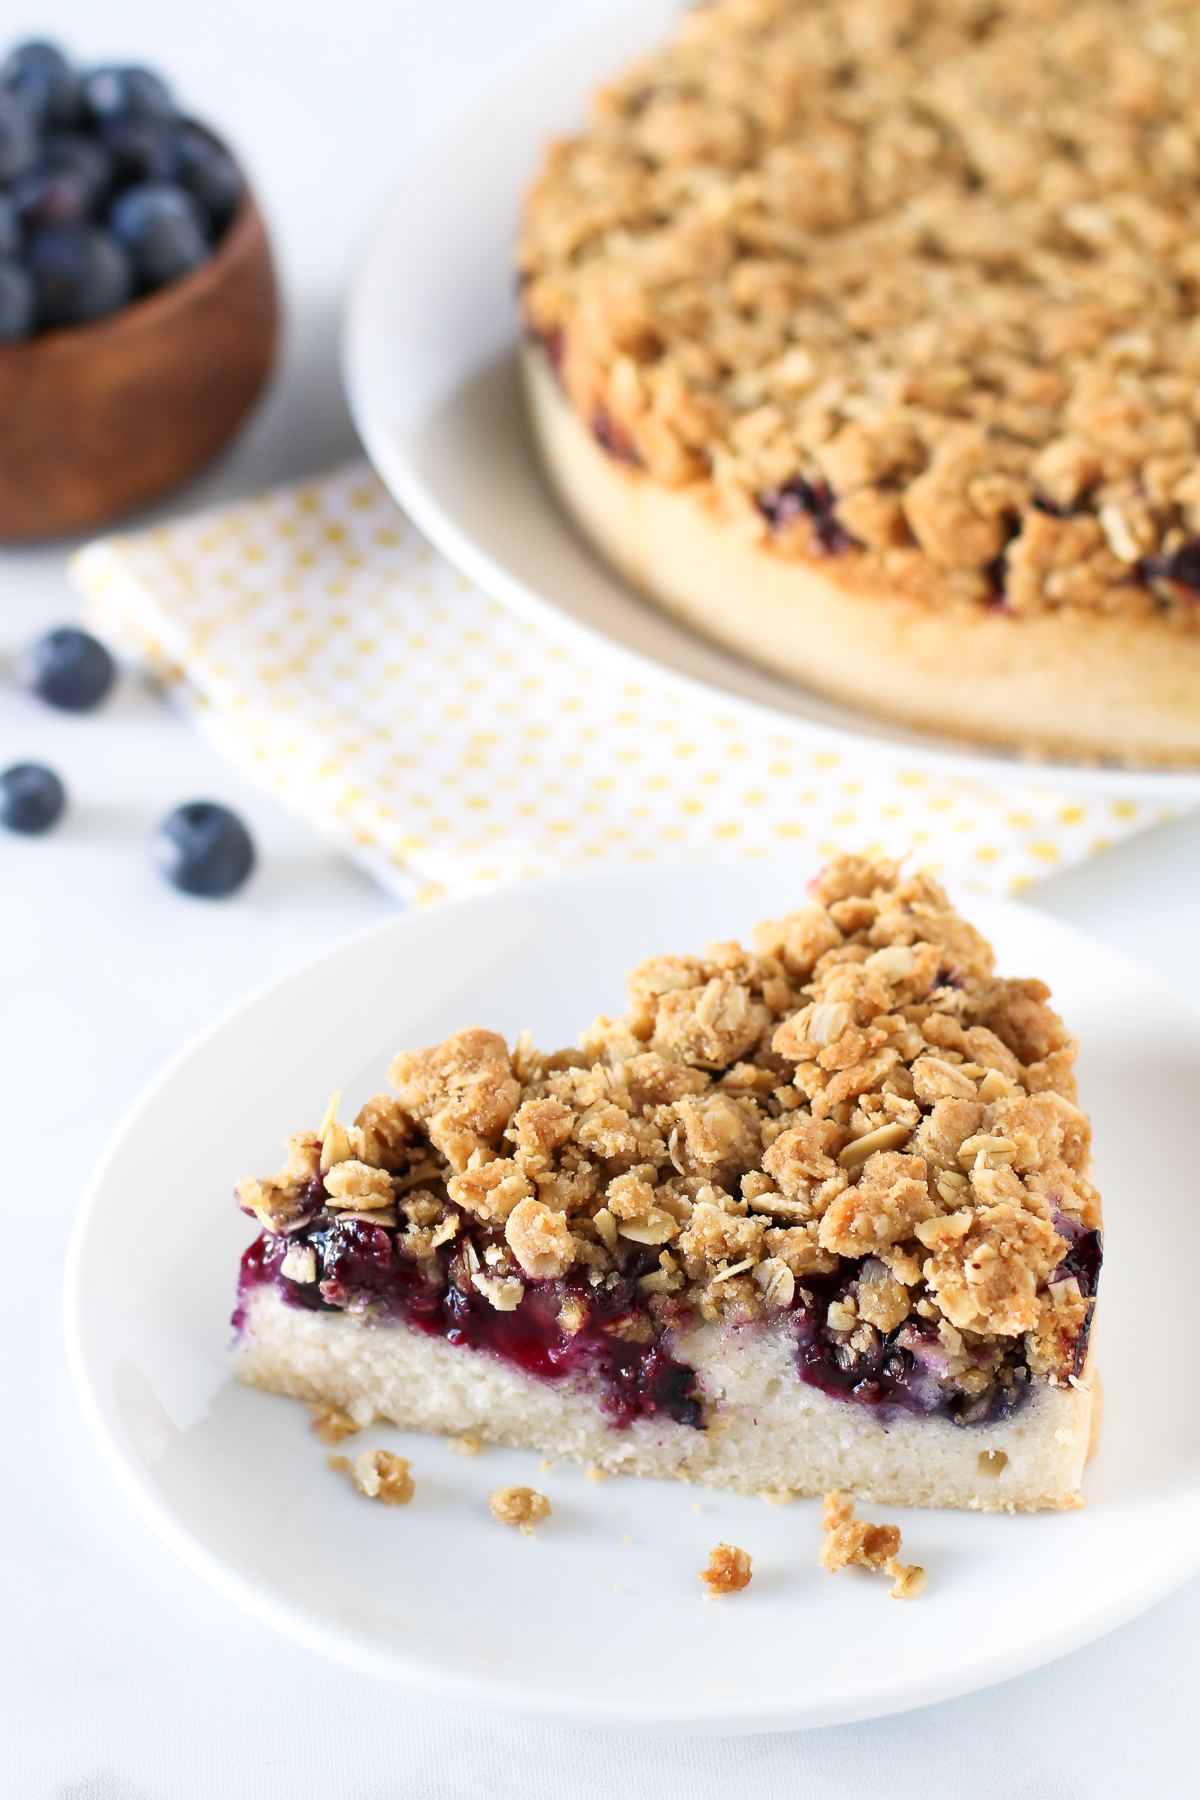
(1182, 566)
(615, 1342)
(899, 1372)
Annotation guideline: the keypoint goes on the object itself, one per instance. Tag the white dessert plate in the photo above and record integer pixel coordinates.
(600, 1618)
(430, 368)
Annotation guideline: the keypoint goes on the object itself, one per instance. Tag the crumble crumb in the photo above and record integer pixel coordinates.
(464, 1446)
(381, 1475)
(776, 1496)
(522, 1506)
(728, 1570)
(594, 1472)
(545, 1466)
(849, 1541)
(339, 1464)
(908, 1579)
(329, 1425)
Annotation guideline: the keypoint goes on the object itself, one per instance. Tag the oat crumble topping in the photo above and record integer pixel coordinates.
(854, 1125)
(907, 287)
(728, 1570)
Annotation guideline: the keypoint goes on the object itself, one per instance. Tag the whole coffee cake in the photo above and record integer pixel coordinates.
(812, 1215)
(862, 333)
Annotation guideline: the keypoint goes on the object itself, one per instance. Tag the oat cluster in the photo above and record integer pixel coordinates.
(858, 1094)
(849, 1542)
(521, 1506)
(937, 259)
(728, 1570)
(382, 1475)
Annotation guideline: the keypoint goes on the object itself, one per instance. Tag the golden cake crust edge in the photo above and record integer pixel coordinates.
(1060, 684)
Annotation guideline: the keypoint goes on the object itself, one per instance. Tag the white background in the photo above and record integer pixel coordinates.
(122, 1677)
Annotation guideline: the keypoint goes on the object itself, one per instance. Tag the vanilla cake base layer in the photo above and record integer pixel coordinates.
(768, 1430)
(1062, 683)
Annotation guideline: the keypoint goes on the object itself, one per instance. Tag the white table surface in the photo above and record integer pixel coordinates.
(123, 1678)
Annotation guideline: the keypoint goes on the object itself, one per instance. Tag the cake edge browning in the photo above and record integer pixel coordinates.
(1061, 683)
(768, 1431)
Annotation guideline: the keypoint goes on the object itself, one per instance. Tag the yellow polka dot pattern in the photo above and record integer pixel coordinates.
(447, 745)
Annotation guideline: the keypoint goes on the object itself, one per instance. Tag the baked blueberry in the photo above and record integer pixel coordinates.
(18, 135)
(18, 301)
(164, 229)
(203, 848)
(210, 173)
(44, 78)
(81, 272)
(126, 93)
(67, 668)
(31, 798)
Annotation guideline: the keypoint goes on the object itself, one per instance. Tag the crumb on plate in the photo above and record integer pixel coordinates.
(521, 1506)
(728, 1570)
(329, 1425)
(849, 1541)
(380, 1475)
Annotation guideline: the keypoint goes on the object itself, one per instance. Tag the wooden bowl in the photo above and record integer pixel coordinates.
(98, 419)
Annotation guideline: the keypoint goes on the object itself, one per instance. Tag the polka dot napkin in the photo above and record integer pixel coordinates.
(321, 642)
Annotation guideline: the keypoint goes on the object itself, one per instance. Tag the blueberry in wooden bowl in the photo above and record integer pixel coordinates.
(138, 303)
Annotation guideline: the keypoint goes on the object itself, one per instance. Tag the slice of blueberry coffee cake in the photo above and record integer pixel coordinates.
(809, 1216)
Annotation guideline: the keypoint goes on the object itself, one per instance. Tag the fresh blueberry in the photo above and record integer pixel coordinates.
(210, 173)
(41, 74)
(85, 157)
(164, 229)
(46, 196)
(31, 798)
(143, 149)
(115, 93)
(18, 135)
(204, 849)
(11, 236)
(18, 301)
(67, 668)
(81, 271)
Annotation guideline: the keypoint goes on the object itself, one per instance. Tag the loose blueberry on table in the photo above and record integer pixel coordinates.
(32, 799)
(67, 668)
(204, 849)
(106, 191)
